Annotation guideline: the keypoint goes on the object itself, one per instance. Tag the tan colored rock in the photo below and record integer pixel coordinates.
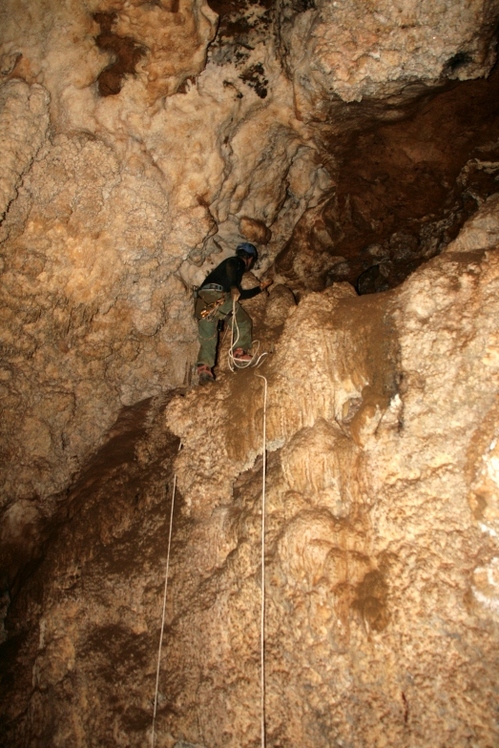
(24, 120)
(157, 182)
(372, 548)
(381, 546)
(175, 36)
(380, 419)
(130, 188)
(353, 51)
(480, 231)
(255, 231)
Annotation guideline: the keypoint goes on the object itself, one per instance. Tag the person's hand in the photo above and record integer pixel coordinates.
(235, 293)
(266, 284)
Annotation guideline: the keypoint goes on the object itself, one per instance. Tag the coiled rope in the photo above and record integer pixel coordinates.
(156, 692)
(234, 364)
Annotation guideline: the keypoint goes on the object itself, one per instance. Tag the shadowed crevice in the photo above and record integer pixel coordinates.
(126, 51)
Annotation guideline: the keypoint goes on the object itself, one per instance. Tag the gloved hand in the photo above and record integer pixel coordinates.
(235, 293)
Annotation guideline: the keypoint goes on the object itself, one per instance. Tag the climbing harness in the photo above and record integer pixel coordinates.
(208, 309)
(212, 308)
(156, 692)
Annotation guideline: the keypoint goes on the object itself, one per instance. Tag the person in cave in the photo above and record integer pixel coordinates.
(216, 299)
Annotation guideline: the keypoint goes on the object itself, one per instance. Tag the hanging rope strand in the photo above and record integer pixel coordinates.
(262, 622)
(235, 335)
(156, 692)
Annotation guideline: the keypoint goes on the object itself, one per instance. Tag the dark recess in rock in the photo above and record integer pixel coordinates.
(254, 76)
(420, 177)
(457, 61)
(127, 54)
(238, 33)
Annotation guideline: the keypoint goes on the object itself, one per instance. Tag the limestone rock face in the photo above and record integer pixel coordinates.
(24, 119)
(380, 549)
(354, 50)
(381, 220)
(130, 201)
(141, 142)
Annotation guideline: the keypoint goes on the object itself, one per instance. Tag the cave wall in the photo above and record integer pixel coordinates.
(358, 55)
(381, 544)
(381, 516)
(141, 142)
(112, 203)
(403, 190)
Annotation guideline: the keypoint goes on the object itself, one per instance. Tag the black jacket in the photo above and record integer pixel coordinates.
(229, 275)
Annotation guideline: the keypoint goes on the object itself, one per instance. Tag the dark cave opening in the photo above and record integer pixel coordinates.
(403, 189)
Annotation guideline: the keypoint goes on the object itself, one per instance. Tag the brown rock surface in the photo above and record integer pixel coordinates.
(114, 206)
(351, 141)
(380, 548)
(403, 189)
(354, 50)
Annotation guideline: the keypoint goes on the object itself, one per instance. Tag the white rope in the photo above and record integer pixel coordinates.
(256, 359)
(164, 612)
(262, 622)
(262, 617)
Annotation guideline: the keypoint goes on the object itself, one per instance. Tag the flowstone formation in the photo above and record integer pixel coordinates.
(381, 493)
(114, 206)
(381, 542)
(142, 141)
(350, 141)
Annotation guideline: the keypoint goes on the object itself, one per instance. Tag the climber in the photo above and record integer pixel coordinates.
(216, 298)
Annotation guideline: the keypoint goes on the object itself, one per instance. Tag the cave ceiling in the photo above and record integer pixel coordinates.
(407, 167)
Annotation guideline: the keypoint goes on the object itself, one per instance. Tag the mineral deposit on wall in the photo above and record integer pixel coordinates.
(141, 141)
(380, 548)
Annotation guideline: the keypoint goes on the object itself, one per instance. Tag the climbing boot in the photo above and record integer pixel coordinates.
(205, 374)
(241, 357)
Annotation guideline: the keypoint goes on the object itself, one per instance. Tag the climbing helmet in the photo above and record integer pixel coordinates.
(245, 248)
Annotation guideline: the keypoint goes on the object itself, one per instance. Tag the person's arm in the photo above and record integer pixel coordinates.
(235, 269)
(248, 293)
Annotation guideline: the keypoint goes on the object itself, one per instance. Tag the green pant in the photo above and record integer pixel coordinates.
(208, 327)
